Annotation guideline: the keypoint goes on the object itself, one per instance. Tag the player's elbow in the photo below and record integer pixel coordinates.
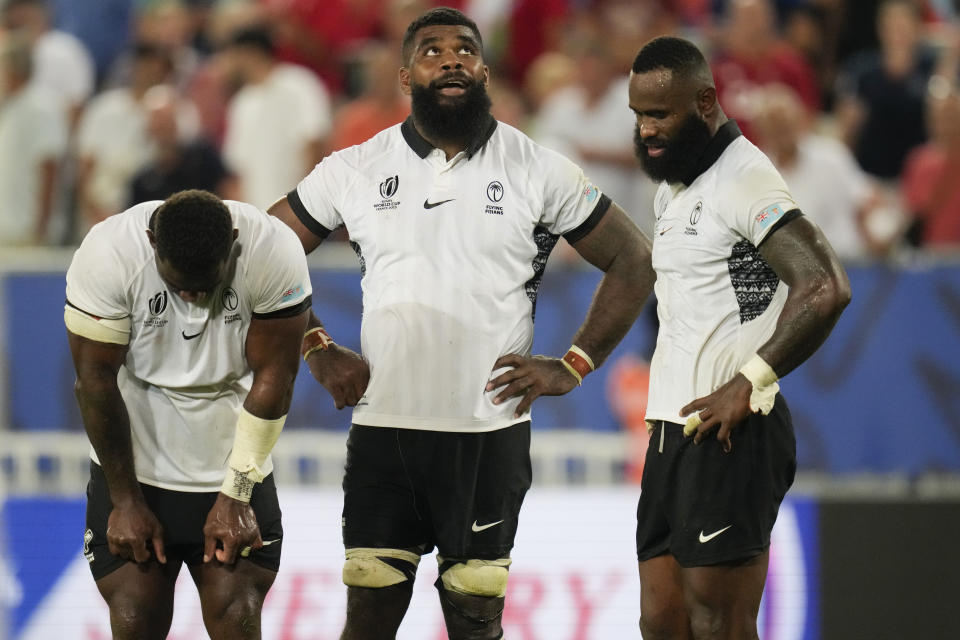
(832, 294)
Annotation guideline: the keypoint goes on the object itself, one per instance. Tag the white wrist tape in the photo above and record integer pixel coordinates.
(252, 444)
(97, 329)
(764, 380)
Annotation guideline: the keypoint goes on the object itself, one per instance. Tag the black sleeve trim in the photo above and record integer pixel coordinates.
(603, 205)
(787, 217)
(299, 210)
(287, 312)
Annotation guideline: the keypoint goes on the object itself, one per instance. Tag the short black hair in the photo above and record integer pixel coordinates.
(676, 54)
(253, 37)
(193, 231)
(443, 16)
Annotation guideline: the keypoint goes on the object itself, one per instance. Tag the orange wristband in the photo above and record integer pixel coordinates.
(578, 362)
(316, 339)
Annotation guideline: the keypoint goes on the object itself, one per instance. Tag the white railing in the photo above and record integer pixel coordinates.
(58, 463)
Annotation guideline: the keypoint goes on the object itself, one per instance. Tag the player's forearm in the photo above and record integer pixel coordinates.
(617, 302)
(808, 316)
(107, 425)
(271, 392)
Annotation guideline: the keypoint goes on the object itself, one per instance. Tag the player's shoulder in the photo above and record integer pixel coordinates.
(119, 243)
(381, 147)
(516, 147)
(743, 166)
(258, 231)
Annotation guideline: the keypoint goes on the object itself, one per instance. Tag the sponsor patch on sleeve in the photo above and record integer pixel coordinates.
(770, 215)
(591, 193)
(291, 293)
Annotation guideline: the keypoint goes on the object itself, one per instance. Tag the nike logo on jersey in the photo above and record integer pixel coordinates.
(713, 535)
(665, 230)
(477, 528)
(186, 337)
(430, 205)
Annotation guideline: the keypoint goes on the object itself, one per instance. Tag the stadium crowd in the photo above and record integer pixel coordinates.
(108, 103)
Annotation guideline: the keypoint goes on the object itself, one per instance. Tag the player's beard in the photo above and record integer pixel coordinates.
(681, 153)
(461, 119)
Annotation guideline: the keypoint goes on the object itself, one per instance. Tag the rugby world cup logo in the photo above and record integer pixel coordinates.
(696, 213)
(158, 303)
(389, 187)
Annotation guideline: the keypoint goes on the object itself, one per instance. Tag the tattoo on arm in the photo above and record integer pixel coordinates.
(618, 248)
(819, 290)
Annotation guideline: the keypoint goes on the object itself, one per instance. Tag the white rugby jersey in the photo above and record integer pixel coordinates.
(717, 299)
(451, 256)
(185, 377)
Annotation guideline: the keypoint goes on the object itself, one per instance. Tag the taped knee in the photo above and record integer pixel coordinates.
(486, 578)
(378, 568)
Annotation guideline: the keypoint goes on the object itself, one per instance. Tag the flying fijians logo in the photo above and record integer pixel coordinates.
(388, 189)
(229, 299)
(495, 194)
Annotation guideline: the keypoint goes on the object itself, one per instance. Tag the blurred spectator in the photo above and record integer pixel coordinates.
(380, 105)
(880, 94)
(548, 74)
(589, 123)
(318, 34)
(61, 63)
(33, 139)
(181, 161)
(822, 174)
(534, 26)
(166, 25)
(112, 143)
(276, 124)
(753, 54)
(931, 187)
(807, 29)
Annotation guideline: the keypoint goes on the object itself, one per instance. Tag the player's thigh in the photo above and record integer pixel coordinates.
(724, 505)
(662, 610)
(381, 508)
(477, 484)
(140, 598)
(232, 596)
(724, 600)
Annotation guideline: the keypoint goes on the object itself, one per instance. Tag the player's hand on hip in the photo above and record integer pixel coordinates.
(130, 528)
(231, 527)
(342, 372)
(530, 377)
(726, 407)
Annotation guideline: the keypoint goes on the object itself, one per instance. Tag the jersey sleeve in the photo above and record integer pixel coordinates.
(315, 201)
(280, 280)
(758, 201)
(572, 204)
(95, 277)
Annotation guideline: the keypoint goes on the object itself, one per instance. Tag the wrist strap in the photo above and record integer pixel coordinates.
(758, 372)
(316, 339)
(253, 441)
(578, 363)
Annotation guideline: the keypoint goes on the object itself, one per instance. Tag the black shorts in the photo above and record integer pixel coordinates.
(415, 489)
(182, 515)
(704, 506)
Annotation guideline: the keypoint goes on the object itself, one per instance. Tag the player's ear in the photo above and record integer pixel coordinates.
(707, 101)
(236, 232)
(486, 76)
(405, 81)
(152, 238)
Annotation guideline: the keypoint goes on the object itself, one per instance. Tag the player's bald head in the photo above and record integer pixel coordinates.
(681, 57)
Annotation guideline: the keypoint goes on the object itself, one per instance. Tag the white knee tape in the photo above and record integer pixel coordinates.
(364, 567)
(486, 578)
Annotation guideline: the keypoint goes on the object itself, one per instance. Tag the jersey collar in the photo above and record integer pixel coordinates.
(727, 133)
(422, 147)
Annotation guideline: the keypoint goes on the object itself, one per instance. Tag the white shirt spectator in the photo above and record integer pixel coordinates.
(830, 188)
(269, 128)
(568, 124)
(62, 64)
(33, 129)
